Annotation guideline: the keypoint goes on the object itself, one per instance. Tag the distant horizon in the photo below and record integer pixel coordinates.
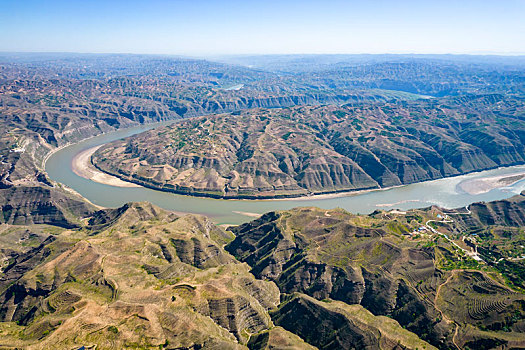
(500, 54)
(205, 28)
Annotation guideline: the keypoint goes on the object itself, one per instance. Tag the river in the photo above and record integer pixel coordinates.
(442, 192)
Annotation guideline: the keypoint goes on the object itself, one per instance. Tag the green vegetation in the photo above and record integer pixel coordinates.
(439, 284)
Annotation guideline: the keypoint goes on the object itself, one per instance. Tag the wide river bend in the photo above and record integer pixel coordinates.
(446, 192)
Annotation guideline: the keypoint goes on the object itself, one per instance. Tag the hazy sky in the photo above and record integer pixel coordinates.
(201, 27)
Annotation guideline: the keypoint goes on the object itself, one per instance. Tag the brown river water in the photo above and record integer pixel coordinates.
(450, 192)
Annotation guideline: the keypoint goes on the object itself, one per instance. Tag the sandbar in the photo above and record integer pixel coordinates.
(246, 213)
(81, 165)
(484, 185)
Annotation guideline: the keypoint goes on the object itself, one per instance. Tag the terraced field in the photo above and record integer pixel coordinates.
(76, 276)
(365, 260)
(312, 150)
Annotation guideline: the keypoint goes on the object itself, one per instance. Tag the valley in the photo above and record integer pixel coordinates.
(444, 192)
(405, 230)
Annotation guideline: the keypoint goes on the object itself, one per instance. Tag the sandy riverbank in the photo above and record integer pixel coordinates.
(484, 185)
(335, 195)
(246, 213)
(81, 165)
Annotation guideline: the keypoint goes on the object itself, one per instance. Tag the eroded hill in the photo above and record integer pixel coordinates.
(134, 276)
(311, 150)
(430, 280)
(139, 276)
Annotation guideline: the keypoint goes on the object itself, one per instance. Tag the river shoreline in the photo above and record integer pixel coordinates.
(68, 144)
(106, 178)
(83, 167)
(441, 192)
(486, 184)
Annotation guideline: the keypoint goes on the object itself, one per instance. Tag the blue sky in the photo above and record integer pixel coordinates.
(201, 28)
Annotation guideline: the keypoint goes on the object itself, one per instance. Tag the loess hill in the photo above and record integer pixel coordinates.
(394, 265)
(306, 150)
(141, 277)
(72, 276)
